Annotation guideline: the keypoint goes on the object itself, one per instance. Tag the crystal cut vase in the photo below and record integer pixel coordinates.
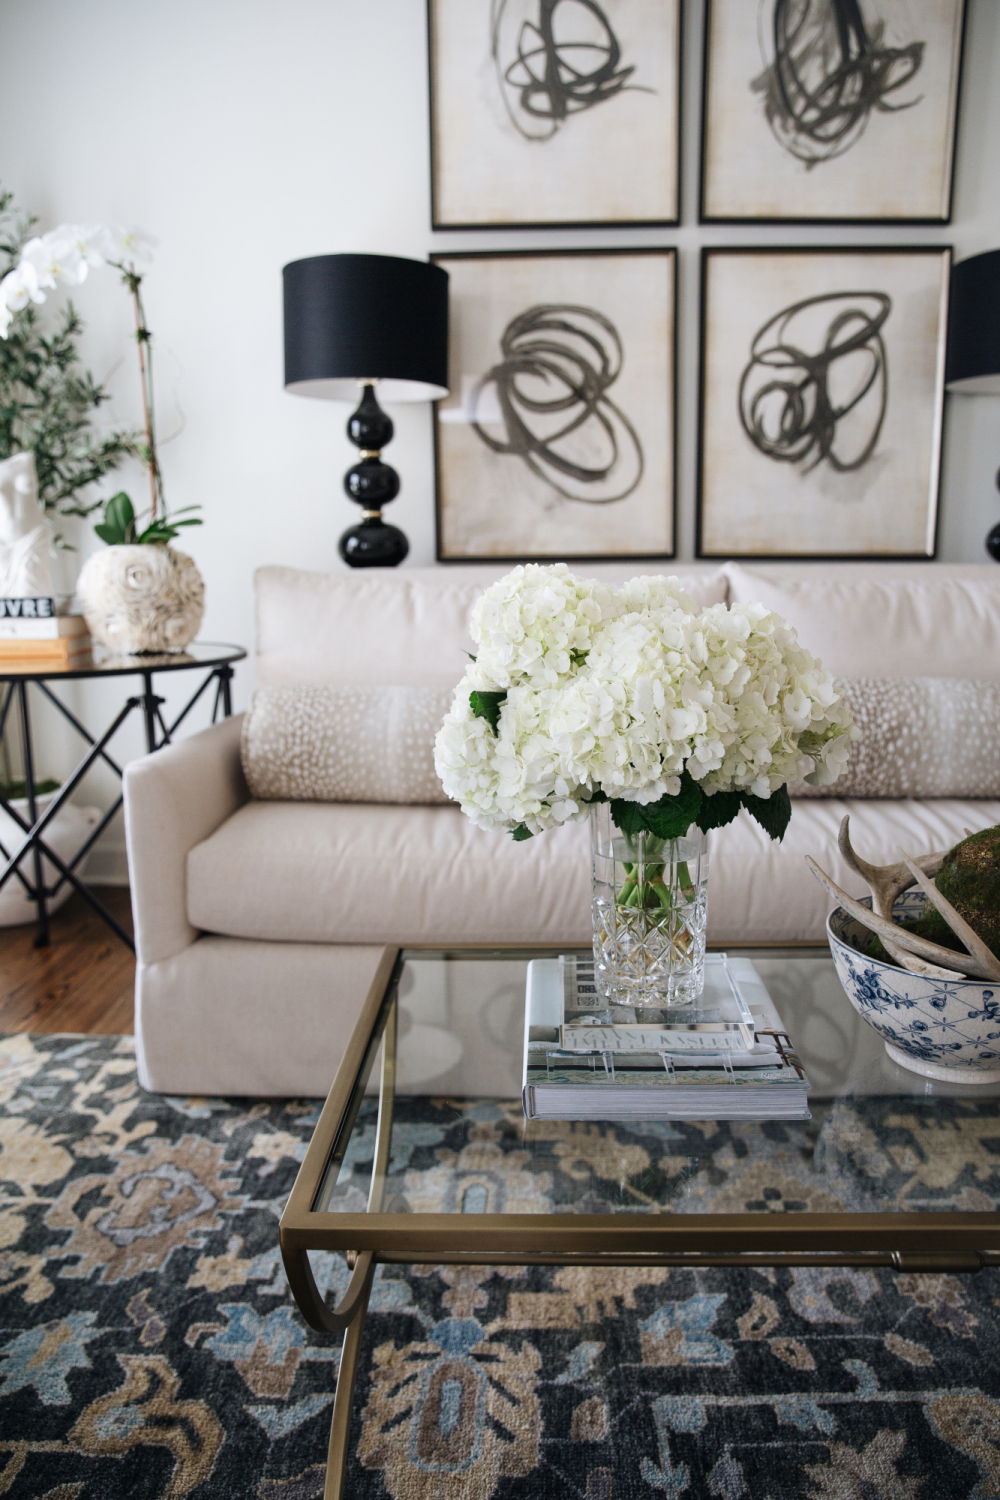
(650, 909)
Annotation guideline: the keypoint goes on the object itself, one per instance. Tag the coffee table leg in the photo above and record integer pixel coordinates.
(340, 1427)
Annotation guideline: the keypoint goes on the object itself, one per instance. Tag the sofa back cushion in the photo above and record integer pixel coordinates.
(383, 626)
(920, 737)
(343, 744)
(886, 620)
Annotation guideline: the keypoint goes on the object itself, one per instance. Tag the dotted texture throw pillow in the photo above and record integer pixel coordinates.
(920, 737)
(344, 744)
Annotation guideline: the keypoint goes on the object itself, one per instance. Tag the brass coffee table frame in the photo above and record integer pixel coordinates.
(901, 1240)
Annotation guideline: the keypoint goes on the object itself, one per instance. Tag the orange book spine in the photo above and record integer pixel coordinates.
(64, 649)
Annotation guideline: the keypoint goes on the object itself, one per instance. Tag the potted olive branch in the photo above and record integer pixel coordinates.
(141, 594)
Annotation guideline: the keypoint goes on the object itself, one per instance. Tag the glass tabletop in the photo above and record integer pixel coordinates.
(435, 1124)
(102, 663)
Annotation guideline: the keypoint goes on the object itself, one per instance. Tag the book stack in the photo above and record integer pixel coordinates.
(727, 1058)
(34, 635)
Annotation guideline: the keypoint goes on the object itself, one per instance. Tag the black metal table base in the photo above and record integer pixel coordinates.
(158, 733)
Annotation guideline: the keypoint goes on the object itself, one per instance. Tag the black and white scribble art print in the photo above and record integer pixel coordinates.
(830, 110)
(553, 112)
(557, 440)
(821, 402)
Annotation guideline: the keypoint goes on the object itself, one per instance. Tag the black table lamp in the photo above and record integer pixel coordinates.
(364, 321)
(973, 362)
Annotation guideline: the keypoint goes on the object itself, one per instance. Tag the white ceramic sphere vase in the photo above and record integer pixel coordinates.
(141, 598)
(947, 1029)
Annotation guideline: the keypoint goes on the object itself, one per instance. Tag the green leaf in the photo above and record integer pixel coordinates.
(629, 817)
(119, 520)
(772, 813)
(487, 706)
(520, 833)
(718, 810)
(598, 796)
(671, 817)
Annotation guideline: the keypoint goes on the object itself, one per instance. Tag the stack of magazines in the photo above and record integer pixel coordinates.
(726, 1058)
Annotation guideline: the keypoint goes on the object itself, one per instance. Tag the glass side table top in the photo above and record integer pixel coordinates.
(425, 1154)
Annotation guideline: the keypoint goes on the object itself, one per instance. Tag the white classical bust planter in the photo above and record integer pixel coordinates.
(146, 597)
(25, 535)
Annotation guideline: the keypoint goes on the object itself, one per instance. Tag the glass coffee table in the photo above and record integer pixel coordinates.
(422, 1154)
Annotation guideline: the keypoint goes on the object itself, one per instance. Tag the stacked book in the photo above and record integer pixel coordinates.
(726, 1058)
(34, 634)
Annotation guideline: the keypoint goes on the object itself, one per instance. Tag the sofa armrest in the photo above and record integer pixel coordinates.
(174, 798)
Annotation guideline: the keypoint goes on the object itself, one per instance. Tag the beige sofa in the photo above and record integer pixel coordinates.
(259, 924)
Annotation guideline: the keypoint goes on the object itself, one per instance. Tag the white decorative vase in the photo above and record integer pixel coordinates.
(141, 598)
(948, 1029)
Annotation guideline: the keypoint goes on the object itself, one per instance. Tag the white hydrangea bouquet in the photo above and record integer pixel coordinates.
(580, 693)
(659, 719)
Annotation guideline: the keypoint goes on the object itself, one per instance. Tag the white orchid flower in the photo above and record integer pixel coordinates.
(20, 286)
(84, 241)
(56, 258)
(17, 289)
(129, 247)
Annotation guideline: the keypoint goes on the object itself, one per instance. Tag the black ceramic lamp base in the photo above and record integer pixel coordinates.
(371, 484)
(993, 537)
(373, 544)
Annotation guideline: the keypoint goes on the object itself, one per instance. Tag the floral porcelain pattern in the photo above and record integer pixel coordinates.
(951, 1024)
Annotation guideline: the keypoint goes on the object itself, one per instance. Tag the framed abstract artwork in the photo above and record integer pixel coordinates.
(822, 389)
(557, 441)
(830, 110)
(553, 112)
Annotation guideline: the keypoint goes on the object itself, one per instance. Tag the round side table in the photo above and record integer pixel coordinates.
(215, 661)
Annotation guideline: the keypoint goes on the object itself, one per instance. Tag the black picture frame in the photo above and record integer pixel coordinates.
(733, 400)
(446, 551)
(444, 218)
(752, 132)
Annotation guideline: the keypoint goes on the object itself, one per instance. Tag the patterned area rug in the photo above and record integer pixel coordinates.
(149, 1347)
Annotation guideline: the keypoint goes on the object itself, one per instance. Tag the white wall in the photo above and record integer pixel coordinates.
(244, 134)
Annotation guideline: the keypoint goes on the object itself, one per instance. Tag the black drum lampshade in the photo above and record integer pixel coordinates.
(973, 361)
(354, 325)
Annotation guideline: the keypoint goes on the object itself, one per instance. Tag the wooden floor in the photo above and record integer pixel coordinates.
(83, 980)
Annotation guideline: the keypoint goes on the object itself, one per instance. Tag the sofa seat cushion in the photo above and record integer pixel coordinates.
(350, 873)
(765, 890)
(310, 872)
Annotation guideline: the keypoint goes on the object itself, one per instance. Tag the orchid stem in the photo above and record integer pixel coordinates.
(143, 339)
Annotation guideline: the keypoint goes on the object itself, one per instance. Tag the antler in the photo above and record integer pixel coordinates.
(886, 882)
(899, 937)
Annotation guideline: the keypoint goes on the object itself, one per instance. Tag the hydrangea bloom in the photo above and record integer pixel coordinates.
(621, 691)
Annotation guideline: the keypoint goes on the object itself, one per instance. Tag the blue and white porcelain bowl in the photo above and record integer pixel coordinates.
(941, 1028)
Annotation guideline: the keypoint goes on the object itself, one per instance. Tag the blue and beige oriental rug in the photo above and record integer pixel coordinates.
(149, 1346)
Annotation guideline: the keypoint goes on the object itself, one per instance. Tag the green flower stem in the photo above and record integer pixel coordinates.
(143, 341)
(646, 887)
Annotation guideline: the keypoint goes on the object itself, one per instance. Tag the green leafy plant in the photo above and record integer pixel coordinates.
(47, 402)
(10, 791)
(62, 257)
(120, 527)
